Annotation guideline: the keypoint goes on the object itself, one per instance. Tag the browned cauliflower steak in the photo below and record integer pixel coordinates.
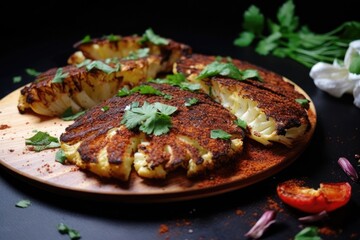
(269, 108)
(98, 141)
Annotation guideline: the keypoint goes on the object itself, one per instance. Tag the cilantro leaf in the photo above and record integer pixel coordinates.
(151, 118)
(178, 80)
(191, 101)
(268, 44)
(59, 76)
(355, 64)
(32, 72)
(105, 108)
(308, 233)
(102, 66)
(86, 39)
(23, 203)
(226, 69)
(241, 123)
(140, 53)
(142, 89)
(150, 36)
(253, 20)
(64, 229)
(84, 63)
(17, 79)
(302, 101)
(60, 156)
(244, 39)
(286, 16)
(219, 134)
(68, 114)
(41, 141)
(123, 92)
(112, 37)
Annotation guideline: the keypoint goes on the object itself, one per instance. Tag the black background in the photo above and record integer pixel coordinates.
(40, 35)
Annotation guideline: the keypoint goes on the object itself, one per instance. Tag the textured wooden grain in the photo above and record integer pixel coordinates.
(40, 168)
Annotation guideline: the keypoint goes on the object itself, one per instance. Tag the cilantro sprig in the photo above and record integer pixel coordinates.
(150, 118)
(100, 65)
(142, 89)
(178, 80)
(150, 36)
(227, 69)
(41, 141)
(285, 37)
(140, 53)
(219, 134)
(64, 229)
(23, 203)
(59, 76)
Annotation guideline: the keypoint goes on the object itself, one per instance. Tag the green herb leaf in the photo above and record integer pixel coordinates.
(241, 123)
(150, 36)
(60, 156)
(112, 37)
(140, 53)
(86, 39)
(102, 66)
(268, 44)
(41, 141)
(302, 101)
(59, 76)
(355, 64)
(151, 118)
(177, 80)
(105, 108)
(23, 203)
(191, 101)
(253, 20)
(286, 16)
(226, 69)
(17, 79)
(69, 115)
(84, 63)
(142, 89)
(244, 39)
(123, 92)
(308, 233)
(32, 72)
(64, 229)
(219, 134)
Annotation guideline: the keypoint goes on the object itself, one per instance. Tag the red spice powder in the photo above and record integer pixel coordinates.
(239, 212)
(327, 231)
(163, 228)
(4, 126)
(272, 204)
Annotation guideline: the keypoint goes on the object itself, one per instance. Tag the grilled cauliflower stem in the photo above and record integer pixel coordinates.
(98, 142)
(269, 108)
(99, 49)
(83, 89)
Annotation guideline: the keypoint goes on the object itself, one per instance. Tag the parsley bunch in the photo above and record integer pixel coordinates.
(287, 38)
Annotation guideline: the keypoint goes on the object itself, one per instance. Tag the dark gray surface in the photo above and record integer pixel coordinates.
(337, 134)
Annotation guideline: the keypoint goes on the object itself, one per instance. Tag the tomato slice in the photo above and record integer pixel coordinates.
(328, 197)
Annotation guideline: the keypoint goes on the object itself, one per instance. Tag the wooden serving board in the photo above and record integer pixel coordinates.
(41, 169)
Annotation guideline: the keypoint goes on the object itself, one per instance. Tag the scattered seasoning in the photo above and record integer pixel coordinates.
(327, 231)
(239, 212)
(163, 228)
(272, 204)
(23, 203)
(11, 150)
(4, 126)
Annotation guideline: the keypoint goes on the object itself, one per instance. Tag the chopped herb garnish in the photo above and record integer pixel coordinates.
(59, 76)
(41, 141)
(355, 64)
(150, 36)
(151, 118)
(140, 53)
(86, 39)
(285, 37)
(191, 101)
(302, 101)
(69, 115)
(64, 229)
(229, 70)
(32, 72)
(178, 80)
(105, 108)
(241, 123)
(23, 203)
(308, 233)
(112, 60)
(102, 66)
(221, 134)
(60, 156)
(84, 63)
(112, 37)
(17, 79)
(142, 89)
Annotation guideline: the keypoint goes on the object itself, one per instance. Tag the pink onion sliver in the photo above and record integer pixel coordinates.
(313, 218)
(262, 224)
(348, 168)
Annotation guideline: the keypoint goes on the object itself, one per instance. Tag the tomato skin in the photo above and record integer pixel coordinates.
(328, 197)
